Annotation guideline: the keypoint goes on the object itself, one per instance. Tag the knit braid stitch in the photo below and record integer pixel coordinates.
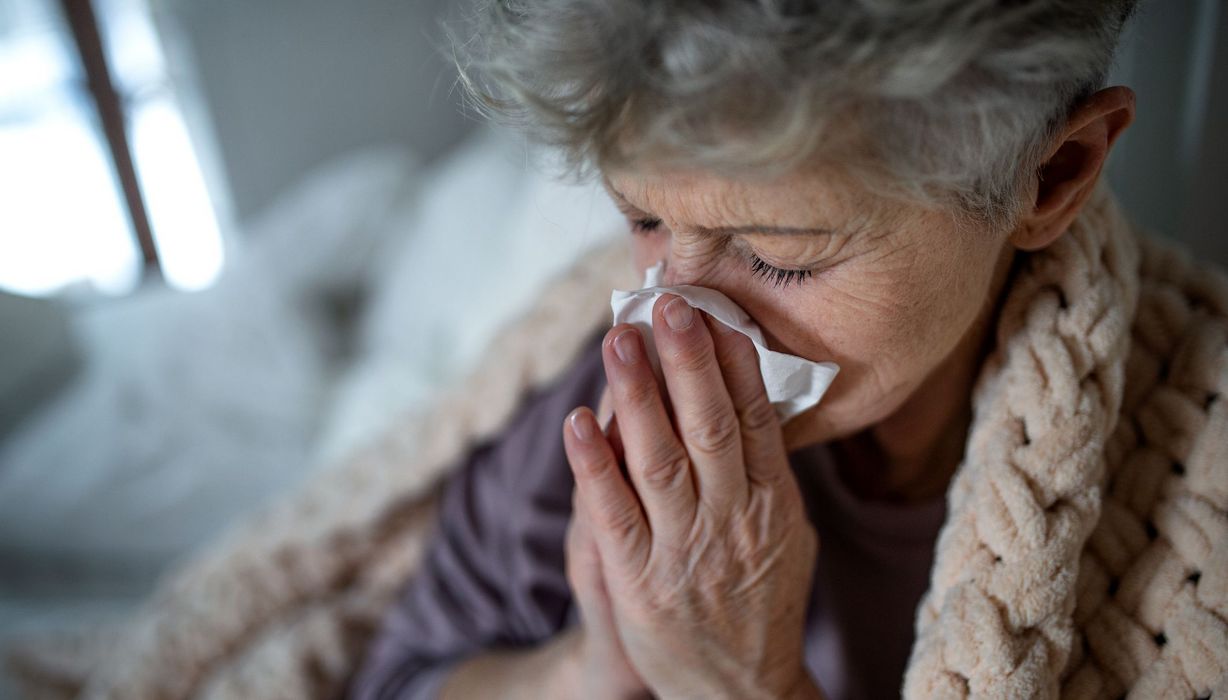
(997, 619)
(1085, 552)
(1153, 581)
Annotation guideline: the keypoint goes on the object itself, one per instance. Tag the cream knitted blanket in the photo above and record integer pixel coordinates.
(1085, 552)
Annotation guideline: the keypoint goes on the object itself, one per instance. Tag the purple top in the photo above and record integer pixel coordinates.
(493, 576)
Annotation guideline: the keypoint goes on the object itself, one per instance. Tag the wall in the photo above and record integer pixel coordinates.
(1171, 167)
(289, 84)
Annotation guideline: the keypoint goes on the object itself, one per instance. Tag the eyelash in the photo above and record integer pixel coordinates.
(645, 225)
(776, 276)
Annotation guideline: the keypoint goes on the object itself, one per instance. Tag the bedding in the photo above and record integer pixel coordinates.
(332, 319)
(1082, 553)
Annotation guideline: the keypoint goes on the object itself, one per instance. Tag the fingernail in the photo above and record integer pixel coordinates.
(582, 424)
(627, 347)
(679, 314)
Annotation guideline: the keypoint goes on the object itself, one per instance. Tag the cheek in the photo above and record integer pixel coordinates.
(850, 316)
(910, 306)
(858, 328)
(887, 325)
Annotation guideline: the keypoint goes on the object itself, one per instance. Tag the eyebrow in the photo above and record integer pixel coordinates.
(735, 230)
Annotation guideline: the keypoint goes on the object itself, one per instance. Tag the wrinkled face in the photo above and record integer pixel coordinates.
(830, 272)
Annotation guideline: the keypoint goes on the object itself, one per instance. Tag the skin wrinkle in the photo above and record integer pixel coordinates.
(900, 308)
(916, 308)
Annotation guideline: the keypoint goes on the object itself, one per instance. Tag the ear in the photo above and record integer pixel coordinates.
(1069, 173)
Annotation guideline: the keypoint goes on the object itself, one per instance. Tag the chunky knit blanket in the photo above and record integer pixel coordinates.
(1085, 553)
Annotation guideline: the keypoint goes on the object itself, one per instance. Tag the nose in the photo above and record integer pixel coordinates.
(673, 275)
(668, 277)
(682, 269)
(679, 265)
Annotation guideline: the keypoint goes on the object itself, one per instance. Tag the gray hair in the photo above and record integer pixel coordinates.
(951, 101)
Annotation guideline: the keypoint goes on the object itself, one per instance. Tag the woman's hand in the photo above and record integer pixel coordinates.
(598, 666)
(707, 554)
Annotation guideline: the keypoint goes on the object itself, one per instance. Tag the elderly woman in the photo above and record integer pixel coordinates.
(1016, 485)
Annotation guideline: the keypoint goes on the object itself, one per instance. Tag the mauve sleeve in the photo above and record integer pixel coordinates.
(493, 574)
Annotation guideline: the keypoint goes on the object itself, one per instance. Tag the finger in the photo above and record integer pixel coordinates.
(584, 571)
(656, 460)
(617, 519)
(609, 423)
(762, 439)
(615, 438)
(703, 409)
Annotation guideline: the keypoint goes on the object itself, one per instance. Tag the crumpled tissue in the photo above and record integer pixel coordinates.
(793, 383)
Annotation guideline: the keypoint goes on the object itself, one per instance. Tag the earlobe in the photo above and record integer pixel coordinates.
(1068, 176)
(1028, 237)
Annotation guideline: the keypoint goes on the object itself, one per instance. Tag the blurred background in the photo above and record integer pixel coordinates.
(230, 239)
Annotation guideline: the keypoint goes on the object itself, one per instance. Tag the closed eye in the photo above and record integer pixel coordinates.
(777, 276)
(645, 225)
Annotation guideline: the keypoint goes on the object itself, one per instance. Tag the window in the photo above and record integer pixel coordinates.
(64, 221)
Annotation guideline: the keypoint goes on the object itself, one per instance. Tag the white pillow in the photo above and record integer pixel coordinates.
(491, 228)
(193, 409)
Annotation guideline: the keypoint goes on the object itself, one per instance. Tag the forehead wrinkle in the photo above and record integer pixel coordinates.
(689, 203)
(722, 203)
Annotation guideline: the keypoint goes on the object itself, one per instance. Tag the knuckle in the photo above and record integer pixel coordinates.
(666, 472)
(758, 415)
(622, 524)
(641, 393)
(584, 467)
(716, 435)
(692, 358)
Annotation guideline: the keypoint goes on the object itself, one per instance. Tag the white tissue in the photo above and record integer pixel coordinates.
(793, 383)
